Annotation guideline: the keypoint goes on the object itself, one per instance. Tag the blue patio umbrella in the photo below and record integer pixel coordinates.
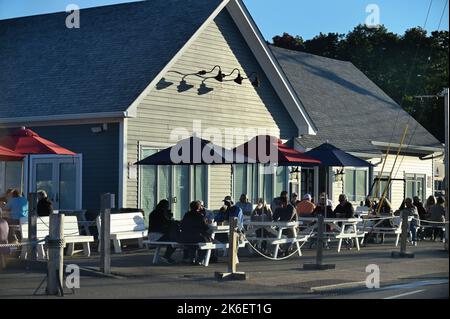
(194, 151)
(329, 155)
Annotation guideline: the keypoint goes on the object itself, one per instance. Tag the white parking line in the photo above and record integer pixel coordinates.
(405, 294)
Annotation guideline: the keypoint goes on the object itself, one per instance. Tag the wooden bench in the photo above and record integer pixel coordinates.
(71, 236)
(125, 226)
(202, 246)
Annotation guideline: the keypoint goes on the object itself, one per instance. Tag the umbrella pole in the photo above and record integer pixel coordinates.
(22, 180)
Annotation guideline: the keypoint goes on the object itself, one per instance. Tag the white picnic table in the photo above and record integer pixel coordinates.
(275, 228)
(341, 228)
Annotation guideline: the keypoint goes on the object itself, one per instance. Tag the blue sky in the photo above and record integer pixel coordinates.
(303, 17)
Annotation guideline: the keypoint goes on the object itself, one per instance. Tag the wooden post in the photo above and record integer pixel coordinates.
(447, 173)
(32, 226)
(233, 240)
(232, 274)
(403, 240)
(55, 264)
(107, 203)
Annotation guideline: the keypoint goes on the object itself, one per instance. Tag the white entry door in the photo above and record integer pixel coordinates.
(60, 177)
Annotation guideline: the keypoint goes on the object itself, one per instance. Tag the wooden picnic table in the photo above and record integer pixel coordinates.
(341, 228)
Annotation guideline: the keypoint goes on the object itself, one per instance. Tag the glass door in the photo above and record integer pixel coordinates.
(60, 177)
(178, 184)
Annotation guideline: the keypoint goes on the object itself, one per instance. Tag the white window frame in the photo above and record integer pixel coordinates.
(260, 189)
(415, 180)
(354, 169)
(159, 147)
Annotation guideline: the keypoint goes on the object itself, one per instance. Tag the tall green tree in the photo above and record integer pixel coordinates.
(404, 66)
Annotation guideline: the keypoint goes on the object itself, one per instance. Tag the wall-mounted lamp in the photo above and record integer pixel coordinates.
(99, 129)
(339, 175)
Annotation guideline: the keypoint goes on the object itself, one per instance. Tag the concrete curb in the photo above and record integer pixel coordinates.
(345, 285)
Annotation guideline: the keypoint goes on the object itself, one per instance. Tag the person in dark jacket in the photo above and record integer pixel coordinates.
(286, 213)
(161, 221)
(344, 209)
(328, 212)
(194, 229)
(420, 209)
(44, 205)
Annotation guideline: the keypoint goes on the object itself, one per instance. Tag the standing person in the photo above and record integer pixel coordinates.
(437, 214)
(194, 229)
(44, 205)
(305, 207)
(276, 202)
(411, 210)
(161, 221)
(245, 205)
(16, 208)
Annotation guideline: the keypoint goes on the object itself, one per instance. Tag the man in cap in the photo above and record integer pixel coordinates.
(229, 211)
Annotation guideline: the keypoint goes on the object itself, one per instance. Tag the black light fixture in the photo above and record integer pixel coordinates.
(220, 76)
(239, 79)
(163, 84)
(183, 86)
(203, 89)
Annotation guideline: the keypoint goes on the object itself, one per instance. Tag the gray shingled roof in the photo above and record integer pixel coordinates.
(47, 69)
(348, 109)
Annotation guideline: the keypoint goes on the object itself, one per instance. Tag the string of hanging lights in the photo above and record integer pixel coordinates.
(220, 77)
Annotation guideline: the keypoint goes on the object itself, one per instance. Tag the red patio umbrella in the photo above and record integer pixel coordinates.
(7, 155)
(274, 152)
(27, 142)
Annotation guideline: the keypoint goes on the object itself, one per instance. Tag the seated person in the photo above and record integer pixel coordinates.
(230, 211)
(207, 214)
(194, 229)
(44, 205)
(276, 202)
(262, 211)
(161, 221)
(245, 205)
(305, 207)
(285, 213)
(328, 211)
(344, 209)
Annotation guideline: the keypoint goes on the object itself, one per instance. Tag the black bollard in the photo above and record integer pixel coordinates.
(319, 252)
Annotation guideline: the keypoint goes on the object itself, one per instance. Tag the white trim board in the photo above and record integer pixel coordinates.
(271, 67)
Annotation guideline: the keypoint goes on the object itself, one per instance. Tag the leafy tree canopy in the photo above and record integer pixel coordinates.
(404, 66)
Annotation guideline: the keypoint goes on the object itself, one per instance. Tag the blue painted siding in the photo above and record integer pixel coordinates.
(100, 157)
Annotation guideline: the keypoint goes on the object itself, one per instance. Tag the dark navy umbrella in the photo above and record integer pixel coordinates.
(329, 155)
(194, 151)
